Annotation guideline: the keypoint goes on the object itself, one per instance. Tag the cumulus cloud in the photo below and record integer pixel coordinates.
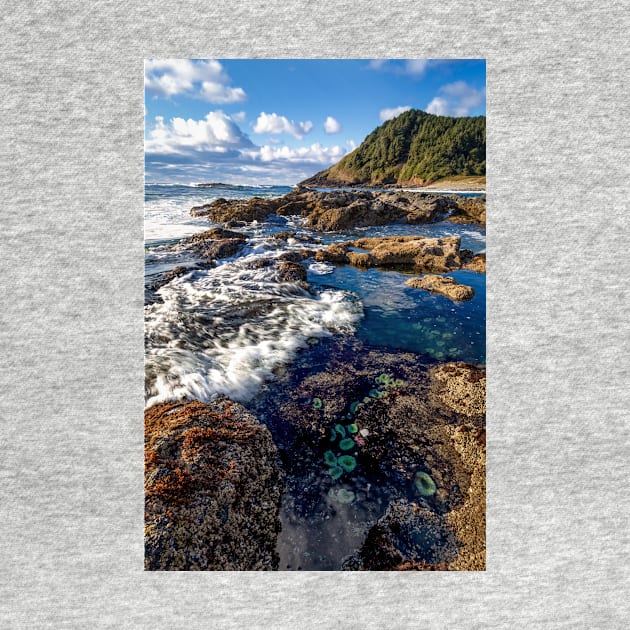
(216, 133)
(456, 99)
(215, 147)
(272, 123)
(391, 112)
(198, 78)
(314, 154)
(332, 125)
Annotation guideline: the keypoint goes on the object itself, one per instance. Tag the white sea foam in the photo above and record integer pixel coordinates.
(321, 268)
(227, 329)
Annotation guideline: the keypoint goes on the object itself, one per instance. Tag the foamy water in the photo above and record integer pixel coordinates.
(225, 330)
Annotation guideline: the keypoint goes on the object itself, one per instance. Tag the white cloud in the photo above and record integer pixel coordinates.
(315, 154)
(238, 117)
(332, 125)
(216, 133)
(391, 112)
(205, 79)
(438, 106)
(456, 99)
(272, 123)
(416, 67)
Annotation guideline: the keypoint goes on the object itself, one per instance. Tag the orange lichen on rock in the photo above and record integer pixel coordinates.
(212, 488)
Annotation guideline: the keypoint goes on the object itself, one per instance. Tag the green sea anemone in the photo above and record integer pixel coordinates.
(339, 429)
(312, 341)
(352, 428)
(330, 458)
(347, 462)
(347, 444)
(341, 495)
(333, 436)
(353, 406)
(424, 484)
(399, 382)
(367, 399)
(335, 472)
(317, 403)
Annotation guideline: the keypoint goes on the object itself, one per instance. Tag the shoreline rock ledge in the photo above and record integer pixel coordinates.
(212, 489)
(331, 211)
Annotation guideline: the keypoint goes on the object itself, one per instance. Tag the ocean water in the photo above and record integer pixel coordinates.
(226, 330)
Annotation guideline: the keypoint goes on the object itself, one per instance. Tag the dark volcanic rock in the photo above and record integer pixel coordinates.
(212, 489)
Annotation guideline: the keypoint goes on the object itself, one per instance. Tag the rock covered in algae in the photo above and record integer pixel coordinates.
(212, 488)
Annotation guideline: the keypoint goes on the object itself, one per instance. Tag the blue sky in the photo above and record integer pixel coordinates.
(278, 121)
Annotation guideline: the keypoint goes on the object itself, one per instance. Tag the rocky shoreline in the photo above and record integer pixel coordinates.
(344, 418)
(343, 209)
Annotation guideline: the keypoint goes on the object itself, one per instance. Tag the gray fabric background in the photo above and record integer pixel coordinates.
(71, 372)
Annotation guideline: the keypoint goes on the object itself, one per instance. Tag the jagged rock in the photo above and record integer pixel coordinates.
(443, 285)
(470, 210)
(476, 263)
(216, 243)
(212, 488)
(341, 209)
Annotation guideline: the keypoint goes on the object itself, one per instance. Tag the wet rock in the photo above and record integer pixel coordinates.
(295, 257)
(443, 285)
(439, 255)
(216, 243)
(159, 280)
(291, 272)
(340, 209)
(212, 489)
(226, 210)
(407, 533)
(470, 210)
(476, 263)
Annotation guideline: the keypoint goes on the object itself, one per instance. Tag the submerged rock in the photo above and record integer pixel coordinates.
(212, 489)
(443, 285)
(406, 533)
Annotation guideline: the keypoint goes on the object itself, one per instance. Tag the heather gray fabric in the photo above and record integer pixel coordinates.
(71, 334)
